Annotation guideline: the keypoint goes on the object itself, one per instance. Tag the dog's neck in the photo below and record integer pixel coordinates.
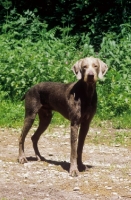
(84, 90)
(89, 88)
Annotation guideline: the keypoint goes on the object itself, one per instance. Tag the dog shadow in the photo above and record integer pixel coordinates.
(65, 165)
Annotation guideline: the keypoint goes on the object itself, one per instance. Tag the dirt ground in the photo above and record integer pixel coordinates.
(108, 176)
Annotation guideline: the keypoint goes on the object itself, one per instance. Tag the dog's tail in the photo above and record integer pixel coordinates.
(23, 98)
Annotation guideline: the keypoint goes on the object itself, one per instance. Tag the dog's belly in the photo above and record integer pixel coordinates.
(62, 109)
(58, 107)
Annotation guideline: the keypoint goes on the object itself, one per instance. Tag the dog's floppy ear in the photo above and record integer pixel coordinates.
(77, 69)
(102, 69)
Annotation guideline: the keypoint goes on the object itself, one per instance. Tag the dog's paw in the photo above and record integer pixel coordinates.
(83, 167)
(39, 158)
(22, 160)
(74, 172)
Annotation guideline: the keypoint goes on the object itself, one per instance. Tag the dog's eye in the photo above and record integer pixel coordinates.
(95, 66)
(84, 67)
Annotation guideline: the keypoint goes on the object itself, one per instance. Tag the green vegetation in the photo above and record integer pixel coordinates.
(34, 50)
(110, 138)
(11, 114)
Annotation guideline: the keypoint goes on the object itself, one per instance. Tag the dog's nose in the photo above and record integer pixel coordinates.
(90, 73)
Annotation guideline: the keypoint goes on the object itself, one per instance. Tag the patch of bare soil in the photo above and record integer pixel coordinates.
(108, 176)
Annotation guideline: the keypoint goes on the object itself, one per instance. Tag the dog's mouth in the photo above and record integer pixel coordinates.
(90, 79)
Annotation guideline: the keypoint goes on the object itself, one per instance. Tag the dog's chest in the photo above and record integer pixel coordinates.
(81, 106)
(86, 107)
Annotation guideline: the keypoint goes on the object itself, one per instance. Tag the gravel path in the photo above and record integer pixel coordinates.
(108, 176)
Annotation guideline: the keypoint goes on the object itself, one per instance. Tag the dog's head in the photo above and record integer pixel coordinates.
(89, 69)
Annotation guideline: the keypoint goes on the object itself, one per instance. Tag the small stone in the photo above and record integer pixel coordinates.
(108, 187)
(76, 189)
(96, 195)
(86, 182)
(33, 186)
(26, 175)
(20, 193)
(50, 154)
(114, 193)
(28, 164)
(50, 165)
(39, 181)
(117, 145)
(121, 179)
(38, 172)
(70, 177)
(85, 175)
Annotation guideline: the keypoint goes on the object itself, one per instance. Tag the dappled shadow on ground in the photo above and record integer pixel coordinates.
(65, 165)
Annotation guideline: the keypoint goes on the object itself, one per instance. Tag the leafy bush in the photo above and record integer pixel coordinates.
(30, 54)
(89, 16)
(116, 91)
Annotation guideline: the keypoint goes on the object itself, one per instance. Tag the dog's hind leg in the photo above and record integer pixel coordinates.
(45, 117)
(27, 125)
(32, 107)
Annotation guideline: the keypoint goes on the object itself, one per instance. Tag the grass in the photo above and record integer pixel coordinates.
(12, 115)
(123, 121)
(109, 132)
(110, 137)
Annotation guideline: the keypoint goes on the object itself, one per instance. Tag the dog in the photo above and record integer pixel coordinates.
(76, 101)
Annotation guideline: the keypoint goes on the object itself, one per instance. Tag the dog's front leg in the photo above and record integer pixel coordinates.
(73, 159)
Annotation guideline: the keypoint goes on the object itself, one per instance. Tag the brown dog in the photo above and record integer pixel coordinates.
(75, 101)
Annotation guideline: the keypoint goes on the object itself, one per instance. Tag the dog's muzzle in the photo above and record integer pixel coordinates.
(90, 77)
